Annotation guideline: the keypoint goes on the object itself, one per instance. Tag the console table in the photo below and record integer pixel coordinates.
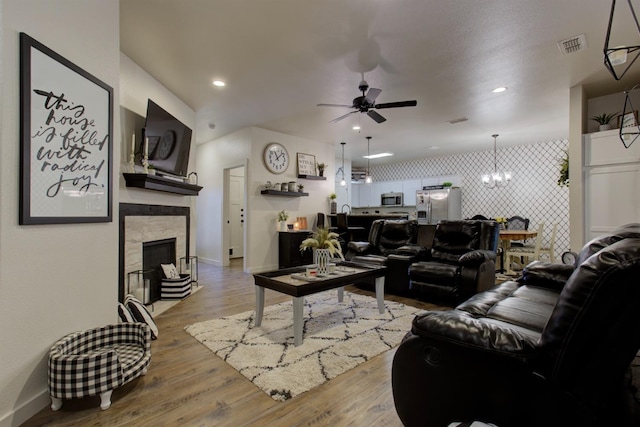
(289, 254)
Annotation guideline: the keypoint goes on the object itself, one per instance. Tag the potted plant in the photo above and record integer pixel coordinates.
(447, 184)
(283, 216)
(604, 120)
(333, 203)
(151, 170)
(321, 167)
(563, 180)
(300, 188)
(325, 245)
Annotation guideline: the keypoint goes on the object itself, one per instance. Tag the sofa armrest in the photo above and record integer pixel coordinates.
(546, 275)
(360, 247)
(477, 257)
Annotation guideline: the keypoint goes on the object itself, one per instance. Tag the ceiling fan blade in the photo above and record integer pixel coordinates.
(372, 94)
(334, 105)
(342, 117)
(397, 104)
(375, 116)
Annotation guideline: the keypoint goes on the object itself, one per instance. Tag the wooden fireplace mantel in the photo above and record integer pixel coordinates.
(159, 183)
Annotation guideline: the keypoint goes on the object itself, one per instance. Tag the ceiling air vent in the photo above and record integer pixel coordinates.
(574, 44)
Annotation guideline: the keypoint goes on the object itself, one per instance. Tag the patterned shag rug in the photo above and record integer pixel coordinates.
(337, 337)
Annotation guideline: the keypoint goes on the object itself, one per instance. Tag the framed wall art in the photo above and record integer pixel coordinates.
(306, 164)
(628, 119)
(66, 132)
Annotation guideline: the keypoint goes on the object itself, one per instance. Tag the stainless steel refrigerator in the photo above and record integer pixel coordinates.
(435, 205)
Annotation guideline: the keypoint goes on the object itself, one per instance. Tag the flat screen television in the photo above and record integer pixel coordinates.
(169, 141)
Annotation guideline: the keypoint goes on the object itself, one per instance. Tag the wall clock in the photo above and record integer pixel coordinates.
(276, 157)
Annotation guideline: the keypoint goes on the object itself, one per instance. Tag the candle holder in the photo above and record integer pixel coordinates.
(189, 265)
(132, 164)
(138, 285)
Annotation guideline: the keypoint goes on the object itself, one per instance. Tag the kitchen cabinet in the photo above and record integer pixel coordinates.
(409, 188)
(363, 193)
(611, 183)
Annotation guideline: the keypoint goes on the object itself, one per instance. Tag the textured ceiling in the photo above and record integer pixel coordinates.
(282, 57)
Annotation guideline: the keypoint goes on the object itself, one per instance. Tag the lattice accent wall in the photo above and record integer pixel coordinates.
(533, 192)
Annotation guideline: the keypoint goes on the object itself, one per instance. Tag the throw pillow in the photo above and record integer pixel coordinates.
(170, 271)
(124, 314)
(140, 313)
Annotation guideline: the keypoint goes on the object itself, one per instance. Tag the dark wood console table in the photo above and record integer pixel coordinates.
(289, 254)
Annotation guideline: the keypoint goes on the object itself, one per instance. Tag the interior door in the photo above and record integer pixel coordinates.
(236, 213)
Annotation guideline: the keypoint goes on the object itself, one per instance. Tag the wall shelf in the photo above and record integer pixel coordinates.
(158, 183)
(283, 193)
(313, 177)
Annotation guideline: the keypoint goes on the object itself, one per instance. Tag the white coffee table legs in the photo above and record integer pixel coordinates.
(298, 308)
(380, 293)
(259, 304)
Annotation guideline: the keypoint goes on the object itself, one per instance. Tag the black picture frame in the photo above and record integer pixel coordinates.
(66, 138)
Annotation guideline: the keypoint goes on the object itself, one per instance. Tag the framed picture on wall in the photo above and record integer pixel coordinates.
(628, 119)
(66, 133)
(306, 164)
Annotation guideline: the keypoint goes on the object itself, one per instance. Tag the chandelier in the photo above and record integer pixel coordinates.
(340, 170)
(495, 178)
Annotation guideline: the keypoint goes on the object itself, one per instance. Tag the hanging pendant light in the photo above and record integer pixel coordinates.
(367, 177)
(495, 178)
(627, 53)
(343, 182)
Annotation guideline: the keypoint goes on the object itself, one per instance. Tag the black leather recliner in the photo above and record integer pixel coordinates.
(461, 262)
(550, 349)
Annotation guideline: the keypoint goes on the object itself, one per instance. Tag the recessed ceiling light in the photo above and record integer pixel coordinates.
(499, 89)
(376, 156)
(356, 127)
(433, 147)
(219, 83)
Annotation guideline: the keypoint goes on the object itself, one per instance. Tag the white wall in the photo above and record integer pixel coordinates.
(54, 279)
(246, 147)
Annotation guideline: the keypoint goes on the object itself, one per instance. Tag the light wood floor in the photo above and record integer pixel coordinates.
(187, 385)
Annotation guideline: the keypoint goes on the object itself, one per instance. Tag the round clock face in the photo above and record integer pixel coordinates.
(569, 258)
(165, 147)
(276, 157)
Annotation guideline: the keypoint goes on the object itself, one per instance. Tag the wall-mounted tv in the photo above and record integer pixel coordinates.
(169, 141)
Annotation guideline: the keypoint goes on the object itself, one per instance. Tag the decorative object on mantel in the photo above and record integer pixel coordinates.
(563, 180)
(321, 167)
(145, 156)
(614, 56)
(629, 126)
(60, 182)
(332, 202)
(132, 156)
(193, 178)
(283, 216)
(496, 179)
(604, 120)
(322, 238)
(151, 170)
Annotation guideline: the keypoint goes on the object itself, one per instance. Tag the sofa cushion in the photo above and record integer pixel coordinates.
(434, 272)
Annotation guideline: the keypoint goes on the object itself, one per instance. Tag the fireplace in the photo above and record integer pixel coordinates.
(141, 224)
(153, 254)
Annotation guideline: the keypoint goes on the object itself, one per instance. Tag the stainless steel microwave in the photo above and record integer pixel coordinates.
(392, 199)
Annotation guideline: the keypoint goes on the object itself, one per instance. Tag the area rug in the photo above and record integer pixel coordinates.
(337, 337)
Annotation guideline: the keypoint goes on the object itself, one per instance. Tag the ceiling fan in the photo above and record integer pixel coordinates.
(366, 103)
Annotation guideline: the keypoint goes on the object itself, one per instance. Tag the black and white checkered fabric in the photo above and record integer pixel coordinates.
(90, 362)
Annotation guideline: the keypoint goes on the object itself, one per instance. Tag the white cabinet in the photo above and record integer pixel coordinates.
(409, 188)
(611, 183)
(361, 196)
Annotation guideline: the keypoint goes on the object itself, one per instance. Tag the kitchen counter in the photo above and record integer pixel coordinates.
(365, 220)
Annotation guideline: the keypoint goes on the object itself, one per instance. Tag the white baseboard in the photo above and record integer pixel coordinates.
(21, 414)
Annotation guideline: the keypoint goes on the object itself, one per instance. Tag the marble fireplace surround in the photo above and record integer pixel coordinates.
(145, 223)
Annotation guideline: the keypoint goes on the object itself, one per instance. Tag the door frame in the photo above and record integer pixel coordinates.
(226, 232)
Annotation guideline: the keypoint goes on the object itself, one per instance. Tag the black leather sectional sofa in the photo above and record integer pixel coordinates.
(550, 349)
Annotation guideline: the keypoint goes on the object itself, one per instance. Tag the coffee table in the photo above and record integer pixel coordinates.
(293, 281)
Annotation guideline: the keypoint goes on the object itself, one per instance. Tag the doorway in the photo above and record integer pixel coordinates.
(235, 214)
